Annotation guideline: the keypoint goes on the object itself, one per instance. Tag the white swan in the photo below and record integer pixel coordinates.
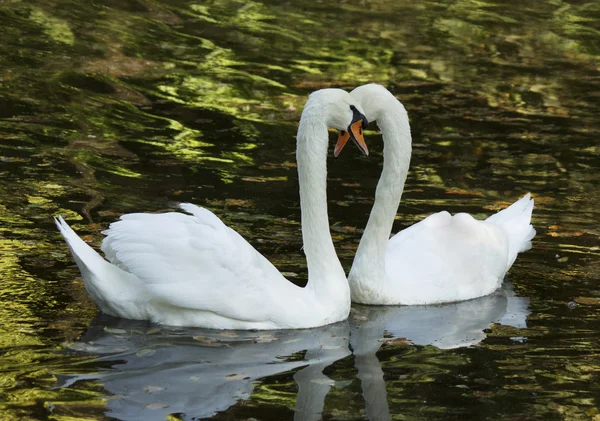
(441, 259)
(192, 270)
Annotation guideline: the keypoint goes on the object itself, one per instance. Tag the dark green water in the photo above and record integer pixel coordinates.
(112, 107)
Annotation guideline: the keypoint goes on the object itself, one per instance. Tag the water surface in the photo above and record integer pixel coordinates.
(135, 105)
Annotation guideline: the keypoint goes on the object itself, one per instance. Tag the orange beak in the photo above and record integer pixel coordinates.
(355, 132)
(341, 142)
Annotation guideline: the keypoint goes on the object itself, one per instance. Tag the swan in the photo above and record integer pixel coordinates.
(192, 270)
(441, 259)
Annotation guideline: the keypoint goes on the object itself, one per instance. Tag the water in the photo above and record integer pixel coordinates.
(115, 107)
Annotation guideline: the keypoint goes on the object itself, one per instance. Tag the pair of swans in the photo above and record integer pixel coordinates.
(192, 270)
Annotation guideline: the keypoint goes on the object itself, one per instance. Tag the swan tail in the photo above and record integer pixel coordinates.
(516, 223)
(87, 259)
(106, 284)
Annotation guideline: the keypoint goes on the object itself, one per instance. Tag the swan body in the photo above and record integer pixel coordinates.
(192, 270)
(441, 259)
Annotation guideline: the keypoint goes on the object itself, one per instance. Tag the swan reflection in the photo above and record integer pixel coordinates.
(445, 326)
(155, 371)
(159, 371)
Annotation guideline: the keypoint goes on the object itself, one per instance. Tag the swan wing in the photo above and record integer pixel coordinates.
(194, 261)
(447, 258)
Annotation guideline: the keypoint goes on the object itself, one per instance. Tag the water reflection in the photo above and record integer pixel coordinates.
(150, 372)
(445, 326)
(159, 371)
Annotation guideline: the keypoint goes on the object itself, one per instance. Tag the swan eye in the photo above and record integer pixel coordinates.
(352, 107)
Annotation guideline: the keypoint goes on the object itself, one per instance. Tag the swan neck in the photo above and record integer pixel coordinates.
(325, 273)
(370, 256)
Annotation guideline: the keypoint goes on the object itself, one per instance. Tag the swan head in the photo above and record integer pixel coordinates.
(376, 101)
(341, 112)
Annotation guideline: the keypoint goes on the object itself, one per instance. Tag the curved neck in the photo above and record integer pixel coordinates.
(325, 274)
(370, 256)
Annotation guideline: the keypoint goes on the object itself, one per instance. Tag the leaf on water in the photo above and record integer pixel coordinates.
(236, 377)
(210, 342)
(88, 238)
(153, 331)
(239, 202)
(341, 203)
(117, 331)
(153, 389)
(482, 394)
(77, 346)
(229, 334)
(205, 340)
(395, 341)
(145, 352)
(562, 259)
(463, 192)
(263, 179)
(342, 228)
(90, 347)
(587, 301)
(561, 231)
(265, 338)
(289, 274)
(253, 179)
(157, 405)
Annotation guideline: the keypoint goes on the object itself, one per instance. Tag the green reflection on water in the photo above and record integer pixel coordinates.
(116, 107)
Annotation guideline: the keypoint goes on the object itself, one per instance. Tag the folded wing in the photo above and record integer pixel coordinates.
(447, 258)
(196, 262)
